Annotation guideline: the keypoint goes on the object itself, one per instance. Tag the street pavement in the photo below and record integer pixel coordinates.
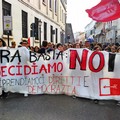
(56, 107)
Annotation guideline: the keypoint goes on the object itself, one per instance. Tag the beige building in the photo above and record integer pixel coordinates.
(35, 19)
(79, 37)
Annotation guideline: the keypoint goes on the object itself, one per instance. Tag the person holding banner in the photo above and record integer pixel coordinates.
(24, 43)
(4, 94)
(87, 44)
(60, 47)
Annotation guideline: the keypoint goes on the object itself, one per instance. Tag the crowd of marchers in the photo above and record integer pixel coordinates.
(49, 46)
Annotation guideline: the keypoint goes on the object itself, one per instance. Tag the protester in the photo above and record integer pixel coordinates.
(113, 49)
(24, 43)
(65, 47)
(87, 44)
(70, 45)
(107, 49)
(49, 47)
(36, 49)
(60, 47)
(77, 45)
(4, 94)
(13, 44)
(97, 48)
(43, 49)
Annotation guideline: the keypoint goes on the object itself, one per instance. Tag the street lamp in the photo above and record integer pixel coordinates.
(39, 25)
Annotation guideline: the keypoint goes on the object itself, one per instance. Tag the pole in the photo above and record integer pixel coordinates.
(8, 38)
(40, 37)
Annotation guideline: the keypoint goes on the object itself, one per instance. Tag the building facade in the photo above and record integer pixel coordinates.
(79, 37)
(69, 34)
(35, 19)
(104, 32)
(90, 30)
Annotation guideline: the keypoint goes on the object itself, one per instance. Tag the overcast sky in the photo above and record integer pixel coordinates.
(76, 14)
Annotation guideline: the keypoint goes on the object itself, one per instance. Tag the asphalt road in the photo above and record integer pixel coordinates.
(56, 107)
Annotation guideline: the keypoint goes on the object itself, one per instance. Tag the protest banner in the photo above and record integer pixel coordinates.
(79, 72)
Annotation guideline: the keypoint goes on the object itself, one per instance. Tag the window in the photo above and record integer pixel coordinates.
(45, 31)
(36, 28)
(55, 6)
(6, 9)
(24, 25)
(50, 4)
(56, 35)
(51, 33)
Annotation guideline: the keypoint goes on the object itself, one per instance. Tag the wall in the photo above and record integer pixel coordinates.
(37, 10)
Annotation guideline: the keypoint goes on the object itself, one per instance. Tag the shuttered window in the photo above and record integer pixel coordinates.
(24, 24)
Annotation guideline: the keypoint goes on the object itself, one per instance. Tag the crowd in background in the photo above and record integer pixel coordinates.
(49, 46)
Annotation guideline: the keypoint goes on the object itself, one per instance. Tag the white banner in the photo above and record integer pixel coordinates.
(78, 72)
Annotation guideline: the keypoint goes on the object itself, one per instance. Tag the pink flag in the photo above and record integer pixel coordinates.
(106, 10)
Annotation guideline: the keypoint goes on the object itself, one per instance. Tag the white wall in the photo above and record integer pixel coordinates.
(17, 8)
